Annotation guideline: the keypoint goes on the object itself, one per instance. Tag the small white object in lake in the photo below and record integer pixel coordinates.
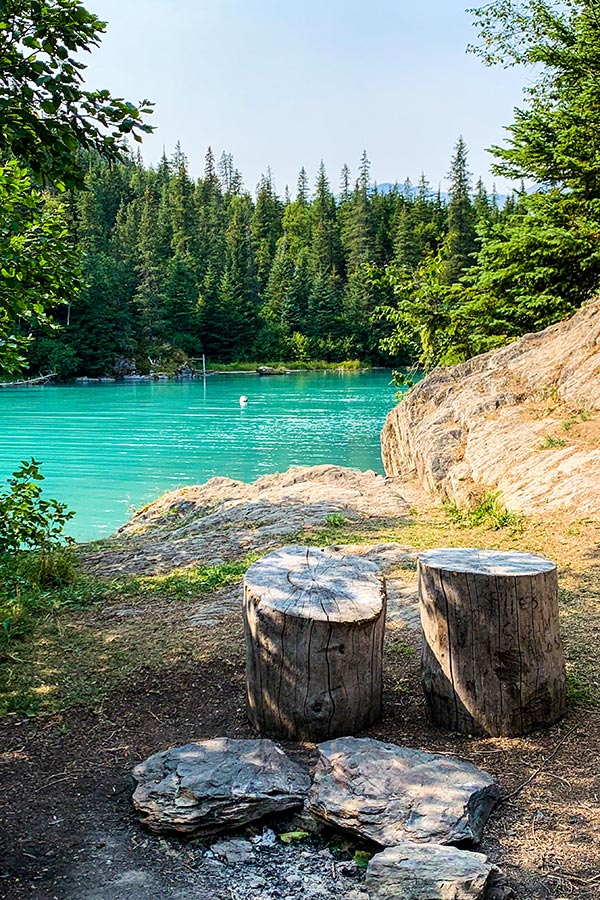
(243, 400)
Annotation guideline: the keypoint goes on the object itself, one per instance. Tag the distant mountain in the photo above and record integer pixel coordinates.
(387, 187)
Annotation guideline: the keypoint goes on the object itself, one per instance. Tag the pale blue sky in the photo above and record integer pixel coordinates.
(284, 85)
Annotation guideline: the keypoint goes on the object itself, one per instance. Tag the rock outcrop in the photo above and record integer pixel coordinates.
(520, 420)
(224, 519)
(208, 787)
(390, 794)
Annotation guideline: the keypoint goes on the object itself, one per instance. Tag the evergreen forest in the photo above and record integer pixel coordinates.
(174, 267)
(132, 266)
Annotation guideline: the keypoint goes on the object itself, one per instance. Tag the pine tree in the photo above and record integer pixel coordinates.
(461, 240)
(239, 285)
(295, 302)
(226, 170)
(357, 231)
(150, 295)
(345, 180)
(302, 193)
(279, 285)
(324, 308)
(324, 234)
(539, 260)
(266, 228)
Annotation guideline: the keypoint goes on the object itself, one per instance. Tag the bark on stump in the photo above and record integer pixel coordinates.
(314, 624)
(493, 661)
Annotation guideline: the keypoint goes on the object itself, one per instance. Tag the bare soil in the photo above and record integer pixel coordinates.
(120, 682)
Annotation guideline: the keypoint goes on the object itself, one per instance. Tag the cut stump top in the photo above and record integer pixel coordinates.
(316, 584)
(486, 562)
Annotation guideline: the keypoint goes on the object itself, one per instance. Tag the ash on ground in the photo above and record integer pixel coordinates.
(253, 865)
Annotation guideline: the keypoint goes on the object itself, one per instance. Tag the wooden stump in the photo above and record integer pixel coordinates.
(492, 661)
(314, 623)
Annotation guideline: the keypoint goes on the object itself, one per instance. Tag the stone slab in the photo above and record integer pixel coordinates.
(208, 787)
(388, 793)
(430, 872)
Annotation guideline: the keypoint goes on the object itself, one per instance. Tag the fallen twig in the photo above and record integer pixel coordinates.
(540, 768)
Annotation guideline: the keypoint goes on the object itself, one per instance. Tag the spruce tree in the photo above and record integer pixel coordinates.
(461, 240)
(266, 228)
(539, 261)
(324, 234)
(295, 302)
(357, 230)
(302, 194)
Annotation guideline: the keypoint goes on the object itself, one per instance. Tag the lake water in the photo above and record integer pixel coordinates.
(108, 449)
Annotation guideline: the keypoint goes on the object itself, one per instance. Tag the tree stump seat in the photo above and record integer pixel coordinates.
(493, 661)
(314, 624)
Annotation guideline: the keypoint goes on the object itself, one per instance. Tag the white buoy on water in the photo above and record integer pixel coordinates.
(243, 400)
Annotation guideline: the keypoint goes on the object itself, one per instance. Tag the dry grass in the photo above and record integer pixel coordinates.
(159, 661)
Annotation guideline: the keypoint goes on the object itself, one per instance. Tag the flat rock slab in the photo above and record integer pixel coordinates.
(208, 787)
(389, 794)
(431, 872)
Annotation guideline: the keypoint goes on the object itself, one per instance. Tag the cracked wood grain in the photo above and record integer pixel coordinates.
(314, 623)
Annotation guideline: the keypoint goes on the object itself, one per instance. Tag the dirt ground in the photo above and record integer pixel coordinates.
(137, 676)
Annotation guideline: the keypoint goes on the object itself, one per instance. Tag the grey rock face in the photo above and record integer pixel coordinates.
(225, 519)
(478, 426)
(389, 794)
(208, 787)
(429, 872)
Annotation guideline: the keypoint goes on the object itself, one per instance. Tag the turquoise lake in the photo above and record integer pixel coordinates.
(108, 449)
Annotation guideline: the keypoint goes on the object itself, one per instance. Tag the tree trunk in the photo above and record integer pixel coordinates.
(314, 624)
(493, 661)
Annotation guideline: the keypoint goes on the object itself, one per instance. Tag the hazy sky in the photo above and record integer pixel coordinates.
(287, 84)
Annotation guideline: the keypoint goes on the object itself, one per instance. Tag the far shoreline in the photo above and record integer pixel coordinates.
(229, 369)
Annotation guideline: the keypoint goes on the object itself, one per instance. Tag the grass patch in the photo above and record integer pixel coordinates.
(69, 656)
(486, 512)
(398, 647)
(33, 584)
(551, 442)
(183, 584)
(78, 650)
(336, 520)
(578, 692)
(311, 365)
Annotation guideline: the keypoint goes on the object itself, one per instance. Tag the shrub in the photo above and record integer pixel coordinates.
(27, 520)
(35, 556)
(550, 443)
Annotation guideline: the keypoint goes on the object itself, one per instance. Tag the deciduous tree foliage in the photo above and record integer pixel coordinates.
(46, 115)
(47, 119)
(37, 264)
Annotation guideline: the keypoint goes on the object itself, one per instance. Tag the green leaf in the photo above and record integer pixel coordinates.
(288, 836)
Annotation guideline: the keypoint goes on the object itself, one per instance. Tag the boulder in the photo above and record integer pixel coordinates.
(431, 872)
(389, 794)
(208, 787)
(485, 424)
